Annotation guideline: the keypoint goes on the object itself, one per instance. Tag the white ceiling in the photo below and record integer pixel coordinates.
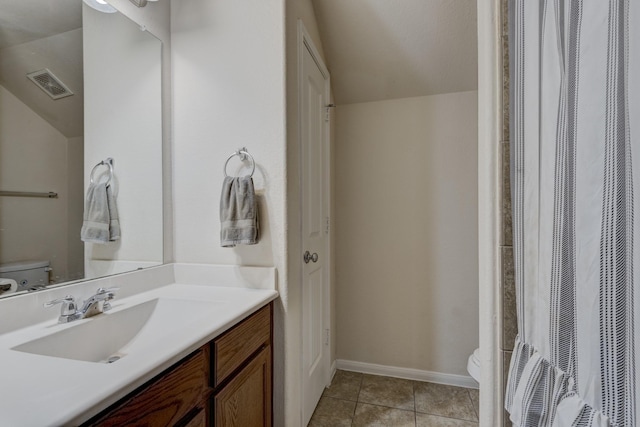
(389, 49)
(23, 21)
(37, 34)
(62, 55)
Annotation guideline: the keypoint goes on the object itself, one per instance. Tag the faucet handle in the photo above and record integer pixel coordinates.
(110, 294)
(102, 291)
(68, 305)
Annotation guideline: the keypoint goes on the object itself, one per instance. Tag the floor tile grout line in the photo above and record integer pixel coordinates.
(415, 412)
(413, 389)
(353, 416)
(389, 407)
(448, 418)
(473, 405)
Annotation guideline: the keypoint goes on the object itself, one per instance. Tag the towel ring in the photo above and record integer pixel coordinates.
(109, 163)
(243, 154)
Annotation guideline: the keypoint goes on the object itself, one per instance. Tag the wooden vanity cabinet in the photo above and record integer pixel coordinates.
(241, 373)
(246, 399)
(225, 383)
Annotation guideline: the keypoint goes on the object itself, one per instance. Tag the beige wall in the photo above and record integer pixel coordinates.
(123, 120)
(406, 232)
(75, 206)
(156, 18)
(228, 68)
(35, 229)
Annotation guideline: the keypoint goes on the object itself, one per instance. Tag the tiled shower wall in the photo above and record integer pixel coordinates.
(507, 282)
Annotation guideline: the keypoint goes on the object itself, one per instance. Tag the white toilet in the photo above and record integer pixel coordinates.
(27, 274)
(473, 365)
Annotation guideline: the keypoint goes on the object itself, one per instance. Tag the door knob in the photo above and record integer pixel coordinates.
(310, 257)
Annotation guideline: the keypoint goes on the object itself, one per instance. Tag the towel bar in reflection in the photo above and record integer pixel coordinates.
(48, 195)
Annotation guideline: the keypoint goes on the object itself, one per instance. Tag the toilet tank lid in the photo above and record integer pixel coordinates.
(22, 265)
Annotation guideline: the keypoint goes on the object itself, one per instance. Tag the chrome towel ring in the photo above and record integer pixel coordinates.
(243, 154)
(108, 162)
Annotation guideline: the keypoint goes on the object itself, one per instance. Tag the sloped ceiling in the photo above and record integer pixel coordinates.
(37, 34)
(389, 49)
(23, 21)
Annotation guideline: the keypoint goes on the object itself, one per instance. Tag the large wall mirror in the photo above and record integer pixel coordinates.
(95, 95)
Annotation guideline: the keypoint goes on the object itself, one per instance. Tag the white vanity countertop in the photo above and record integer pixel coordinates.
(41, 390)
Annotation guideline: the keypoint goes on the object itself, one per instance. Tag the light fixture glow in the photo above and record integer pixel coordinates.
(101, 5)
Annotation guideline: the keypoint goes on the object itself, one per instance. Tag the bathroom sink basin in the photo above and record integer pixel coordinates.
(110, 336)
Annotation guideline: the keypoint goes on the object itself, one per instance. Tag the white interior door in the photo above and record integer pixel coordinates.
(315, 204)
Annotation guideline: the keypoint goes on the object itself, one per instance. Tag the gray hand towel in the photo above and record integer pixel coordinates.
(100, 223)
(238, 212)
(114, 221)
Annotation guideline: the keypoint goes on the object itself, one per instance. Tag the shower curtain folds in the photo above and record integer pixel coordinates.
(575, 113)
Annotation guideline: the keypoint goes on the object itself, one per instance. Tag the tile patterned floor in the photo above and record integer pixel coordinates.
(358, 400)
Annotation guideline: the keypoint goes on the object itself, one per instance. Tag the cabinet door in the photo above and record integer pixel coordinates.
(246, 400)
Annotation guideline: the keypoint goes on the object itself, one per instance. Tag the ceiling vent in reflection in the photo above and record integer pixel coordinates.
(49, 83)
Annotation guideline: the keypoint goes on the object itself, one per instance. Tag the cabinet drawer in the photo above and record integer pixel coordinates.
(165, 401)
(234, 347)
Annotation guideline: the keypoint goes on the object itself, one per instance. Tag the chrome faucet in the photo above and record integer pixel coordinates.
(95, 304)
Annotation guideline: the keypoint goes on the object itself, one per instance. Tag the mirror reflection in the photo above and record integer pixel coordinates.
(77, 86)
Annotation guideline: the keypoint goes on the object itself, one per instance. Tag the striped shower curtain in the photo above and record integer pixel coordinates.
(575, 113)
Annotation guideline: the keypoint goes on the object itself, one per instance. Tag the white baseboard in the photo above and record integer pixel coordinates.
(406, 373)
(332, 371)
